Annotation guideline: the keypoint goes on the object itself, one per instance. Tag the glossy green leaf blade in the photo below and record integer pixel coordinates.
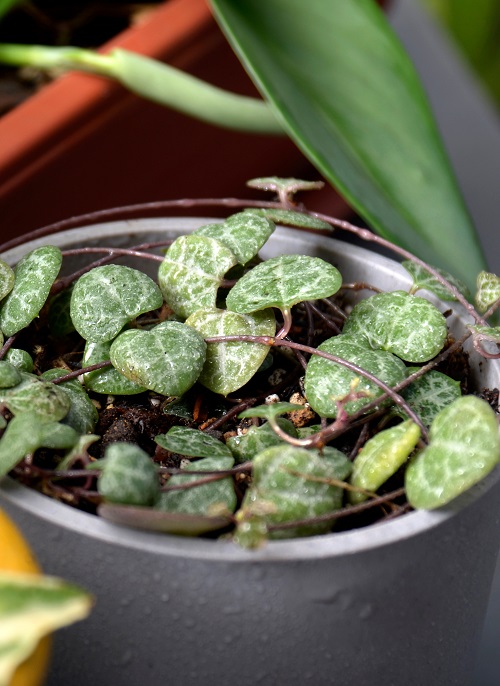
(128, 476)
(107, 380)
(246, 446)
(428, 395)
(82, 414)
(488, 290)
(424, 280)
(36, 395)
(464, 447)
(243, 233)
(350, 98)
(193, 442)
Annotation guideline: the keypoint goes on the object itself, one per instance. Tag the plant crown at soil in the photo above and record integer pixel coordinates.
(240, 397)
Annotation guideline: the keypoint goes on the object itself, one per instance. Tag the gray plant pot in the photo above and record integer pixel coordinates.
(398, 603)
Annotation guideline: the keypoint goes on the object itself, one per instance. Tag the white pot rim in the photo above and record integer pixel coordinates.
(327, 545)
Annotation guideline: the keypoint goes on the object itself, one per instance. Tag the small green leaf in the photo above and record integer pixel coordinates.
(128, 476)
(80, 448)
(229, 366)
(6, 279)
(36, 395)
(488, 333)
(428, 395)
(244, 234)
(192, 271)
(192, 442)
(209, 499)
(403, 324)
(167, 359)
(20, 359)
(30, 608)
(327, 382)
(270, 411)
(488, 290)
(282, 282)
(107, 380)
(106, 298)
(26, 433)
(82, 414)
(291, 218)
(463, 448)
(289, 484)
(257, 439)
(381, 457)
(34, 275)
(59, 316)
(424, 280)
(9, 375)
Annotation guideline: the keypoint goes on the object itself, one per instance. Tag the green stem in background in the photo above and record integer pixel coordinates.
(154, 80)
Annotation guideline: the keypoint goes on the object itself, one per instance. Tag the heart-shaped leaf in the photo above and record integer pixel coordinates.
(464, 447)
(34, 395)
(230, 365)
(403, 324)
(9, 375)
(167, 359)
(282, 282)
(192, 271)
(326, 381)
(291, 484)
(258, 438)
(488, 290)
(291, 218)
(163, 522)
(106, 298)
(244, 234)
(26, 433)
(107, 380)
(30, 608)
(34, 275)
(270, 411)
(20, 359)
(6, 279)
(208, 499)
(82, 414)
(424, 280)
(381, 457)
(128, 476)
(193, 442)
(428, 395)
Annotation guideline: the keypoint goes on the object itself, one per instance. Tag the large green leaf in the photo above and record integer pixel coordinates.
(350, 98)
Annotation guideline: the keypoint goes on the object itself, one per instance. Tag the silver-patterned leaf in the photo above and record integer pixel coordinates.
(486, 333)
(282, 282)
(428, 395)
(270, 411)
(35, 395)
(167, 359)
(463, 448)
(106, 298)
(34, 275)
(424, 280)
(230, 366)
(408, 326)
(381, 457)
(20, 359)
(327, 382)
(488, 290)
(208, 499)
(192, 271)
(244, 234)
(258, 438)
(291, 218)
(82, 414)
(107, 380)
(128, 476)
(282, 491)
(193, 442)
(9, 375)
(6, 279)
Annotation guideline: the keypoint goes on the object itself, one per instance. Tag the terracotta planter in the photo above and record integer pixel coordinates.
(84, 143)
(400, 602)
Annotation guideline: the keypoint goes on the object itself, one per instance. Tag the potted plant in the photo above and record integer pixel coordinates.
(304, 604)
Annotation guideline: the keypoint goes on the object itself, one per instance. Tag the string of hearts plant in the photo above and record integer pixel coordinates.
(238, 397)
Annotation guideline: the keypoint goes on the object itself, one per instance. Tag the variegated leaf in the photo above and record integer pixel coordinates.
(34, 275)
(35, 395)
(327, 382)
(428, 395)
(488, 290)
(408, 326)
(282, 282)
(167, 359)
(192, 271)
(193, 442)
(128, 476)
(20, 359)
(82, 414)
(258, 438)
(106, 298)
(6, 279)
(230, 366)
(9, 375)
(424, 280)
(244, 234)
(107, 380)
(291, 218)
